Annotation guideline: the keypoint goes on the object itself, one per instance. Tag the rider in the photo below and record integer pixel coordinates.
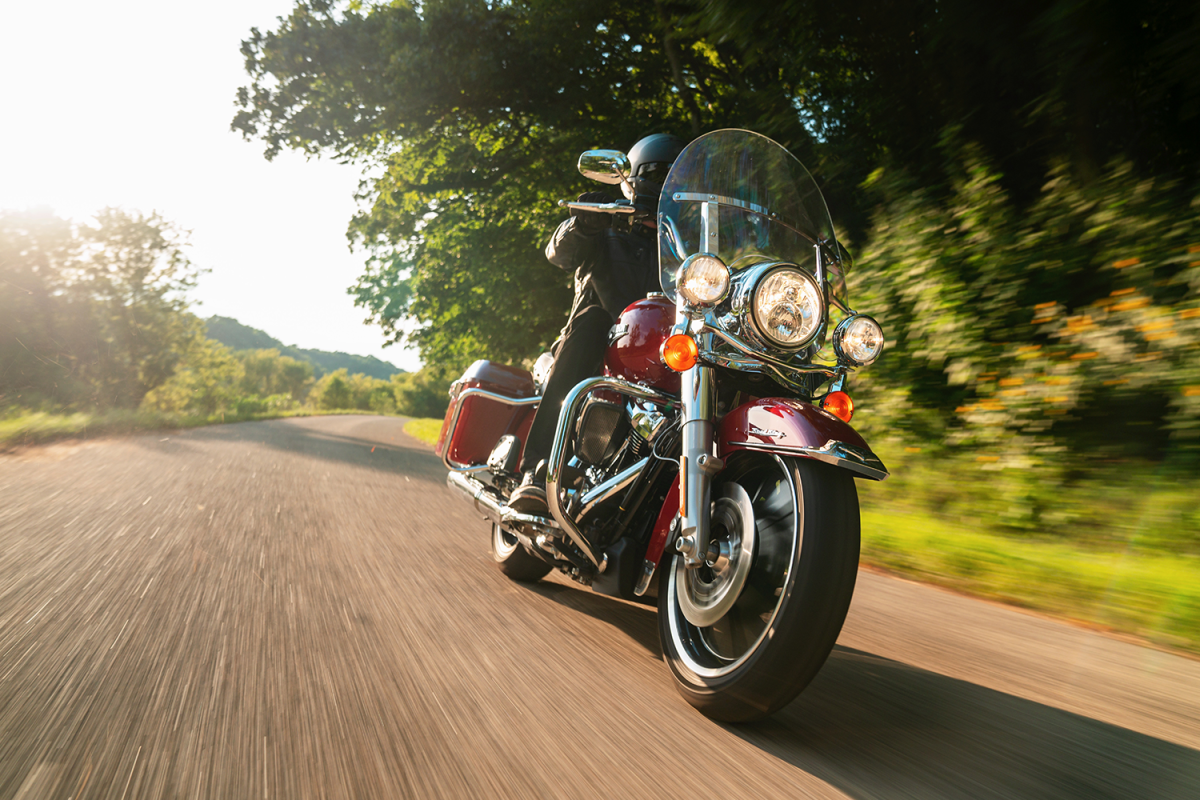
(613, 268)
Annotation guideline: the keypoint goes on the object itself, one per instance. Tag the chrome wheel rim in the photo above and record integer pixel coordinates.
(706, 594)
(503, 542)
(717, 649)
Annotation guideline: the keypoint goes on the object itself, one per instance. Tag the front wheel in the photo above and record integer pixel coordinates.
(768, 606)
(513, 559)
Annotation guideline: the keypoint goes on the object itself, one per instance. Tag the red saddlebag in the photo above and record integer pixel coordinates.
(482, 420)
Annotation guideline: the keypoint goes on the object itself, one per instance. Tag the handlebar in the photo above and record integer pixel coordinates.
(603, 208)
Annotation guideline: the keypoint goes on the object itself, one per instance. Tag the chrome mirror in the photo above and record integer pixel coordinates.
(605, 166)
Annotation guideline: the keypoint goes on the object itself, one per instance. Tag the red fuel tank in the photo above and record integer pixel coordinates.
(633, 350)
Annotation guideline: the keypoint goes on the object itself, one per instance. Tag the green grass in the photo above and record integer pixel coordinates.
(31, 428)
(1150, 594)
(425, 429)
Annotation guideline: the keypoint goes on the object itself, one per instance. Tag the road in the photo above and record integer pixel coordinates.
(300, 608)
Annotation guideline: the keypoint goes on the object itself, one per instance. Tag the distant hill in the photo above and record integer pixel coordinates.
(233, 334)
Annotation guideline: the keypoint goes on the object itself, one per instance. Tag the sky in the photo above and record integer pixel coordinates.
(128, 103)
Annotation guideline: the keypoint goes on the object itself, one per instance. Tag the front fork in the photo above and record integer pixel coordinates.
(697, 463)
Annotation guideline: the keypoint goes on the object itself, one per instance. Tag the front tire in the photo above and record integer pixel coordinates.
(801, 526)
(513, 559)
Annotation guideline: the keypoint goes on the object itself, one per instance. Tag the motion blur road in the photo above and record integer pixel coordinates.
(300, 608)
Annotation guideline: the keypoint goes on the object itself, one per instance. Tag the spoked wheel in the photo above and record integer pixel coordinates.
(515, 561)
(746, 632)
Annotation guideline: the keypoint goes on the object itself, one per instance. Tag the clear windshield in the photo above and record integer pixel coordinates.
(768, 208)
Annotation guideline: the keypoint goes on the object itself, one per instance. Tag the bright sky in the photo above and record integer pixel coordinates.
(128, 103)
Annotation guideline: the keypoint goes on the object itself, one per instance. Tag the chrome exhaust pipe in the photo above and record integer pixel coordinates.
(484, 501)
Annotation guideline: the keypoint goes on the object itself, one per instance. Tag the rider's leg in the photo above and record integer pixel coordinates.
(580, 356)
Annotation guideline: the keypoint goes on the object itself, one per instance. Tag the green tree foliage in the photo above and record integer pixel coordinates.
(207, 381)
(1020, 177)
(416, 394)
(266, 373)
(424, 393)
(1070, 322)
(237, 336)
(90, 315)
(469, 116)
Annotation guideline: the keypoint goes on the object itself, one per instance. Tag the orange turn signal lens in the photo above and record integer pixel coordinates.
(839, 404)
(679, 352)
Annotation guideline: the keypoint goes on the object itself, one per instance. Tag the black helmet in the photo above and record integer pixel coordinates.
(649, 162)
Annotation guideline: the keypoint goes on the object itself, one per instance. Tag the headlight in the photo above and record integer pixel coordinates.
(858, 340)
(703, 280)
(788, 307)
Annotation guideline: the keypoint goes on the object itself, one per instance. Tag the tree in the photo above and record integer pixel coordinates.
(470, 117)
(91, 315)
(205, 383)
(268, 373)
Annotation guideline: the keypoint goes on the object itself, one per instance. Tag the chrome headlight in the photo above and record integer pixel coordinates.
(703, 280)
(788, 307)
(858, 340)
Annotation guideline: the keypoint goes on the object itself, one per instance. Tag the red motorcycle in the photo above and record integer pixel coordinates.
(712, 465)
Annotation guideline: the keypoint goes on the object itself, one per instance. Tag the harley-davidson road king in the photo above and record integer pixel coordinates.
(712, 465)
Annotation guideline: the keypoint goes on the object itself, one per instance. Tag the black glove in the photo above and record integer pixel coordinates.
(592, 222)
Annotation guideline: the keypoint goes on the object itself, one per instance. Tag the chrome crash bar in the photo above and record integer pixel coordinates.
(562, 434)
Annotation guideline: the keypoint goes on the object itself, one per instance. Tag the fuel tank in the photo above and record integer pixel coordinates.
(636, 340)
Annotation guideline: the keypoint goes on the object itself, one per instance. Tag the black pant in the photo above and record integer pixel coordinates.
(580, 356)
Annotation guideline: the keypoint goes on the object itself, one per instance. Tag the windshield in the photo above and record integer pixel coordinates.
(767, 208)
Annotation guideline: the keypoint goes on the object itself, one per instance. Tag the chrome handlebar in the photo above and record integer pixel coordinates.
(603, 208)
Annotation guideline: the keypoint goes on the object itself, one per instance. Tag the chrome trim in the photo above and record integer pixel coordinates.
(699, 398)
(725, 200)
(667, 226)
(643, 582)
(839, 333)
(562, 433)
(748, 313)
(710, 225)
(737, 343)
(682, 276)
(605, 166)
(617, 483)
(492, 506)
(839, 454)
(603, 208)
(458, 406)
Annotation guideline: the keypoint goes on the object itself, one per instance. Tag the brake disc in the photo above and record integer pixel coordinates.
(706, 594)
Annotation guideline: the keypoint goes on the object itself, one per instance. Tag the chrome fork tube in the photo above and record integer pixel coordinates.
(696, 463)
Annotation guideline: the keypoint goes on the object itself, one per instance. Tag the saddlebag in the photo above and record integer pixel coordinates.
(475, 422)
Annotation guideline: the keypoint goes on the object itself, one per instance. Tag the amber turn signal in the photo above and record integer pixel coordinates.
(679, 352)
(839, 404)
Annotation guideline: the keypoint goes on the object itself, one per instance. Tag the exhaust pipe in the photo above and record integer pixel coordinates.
(484, 501)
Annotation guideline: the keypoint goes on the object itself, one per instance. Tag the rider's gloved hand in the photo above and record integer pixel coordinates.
(592, 222)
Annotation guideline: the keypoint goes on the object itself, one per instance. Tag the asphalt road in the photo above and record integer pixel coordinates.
(300, 608)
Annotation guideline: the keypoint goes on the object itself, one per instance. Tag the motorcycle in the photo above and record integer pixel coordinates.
(711, 467)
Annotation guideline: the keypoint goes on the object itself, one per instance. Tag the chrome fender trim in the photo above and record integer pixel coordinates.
(839, 454)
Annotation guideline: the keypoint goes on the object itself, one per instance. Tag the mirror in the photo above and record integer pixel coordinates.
(605, 166)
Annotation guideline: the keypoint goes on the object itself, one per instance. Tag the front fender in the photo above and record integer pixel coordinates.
(798, 429)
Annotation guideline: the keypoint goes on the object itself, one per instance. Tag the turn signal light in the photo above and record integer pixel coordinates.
(839, 404)
(679, 352)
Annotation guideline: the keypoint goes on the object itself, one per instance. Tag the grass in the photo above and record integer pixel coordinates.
(1153, 595)
(425, 429)
(39, 427)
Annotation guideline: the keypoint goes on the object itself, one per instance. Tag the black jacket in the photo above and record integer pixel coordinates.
(612, 268)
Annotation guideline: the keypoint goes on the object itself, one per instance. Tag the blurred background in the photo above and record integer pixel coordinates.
(1017, 182)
